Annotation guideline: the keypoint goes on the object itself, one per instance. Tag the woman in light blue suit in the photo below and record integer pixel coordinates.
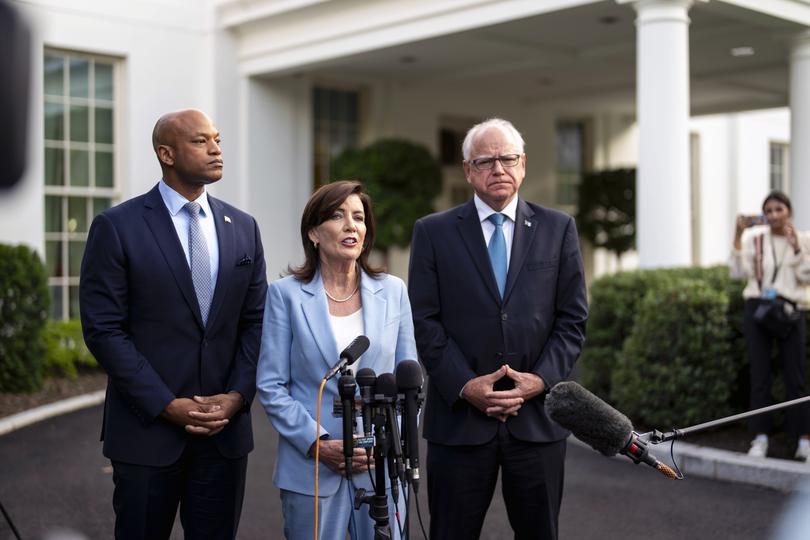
(311, 315)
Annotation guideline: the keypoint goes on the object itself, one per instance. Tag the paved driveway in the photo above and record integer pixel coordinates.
(53, 475)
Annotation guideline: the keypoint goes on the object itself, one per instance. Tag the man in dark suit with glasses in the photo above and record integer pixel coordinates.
(499, 305)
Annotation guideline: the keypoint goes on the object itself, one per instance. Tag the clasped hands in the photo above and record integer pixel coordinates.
(502, 404)
(330, 453)
(203, 415)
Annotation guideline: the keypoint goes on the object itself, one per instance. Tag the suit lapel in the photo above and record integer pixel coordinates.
(470, 229)
(316, 311)
(373, 316)
(227, 257)
(160, 223)
(525, 226)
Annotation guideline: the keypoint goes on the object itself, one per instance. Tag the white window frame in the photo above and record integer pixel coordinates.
(67, 281)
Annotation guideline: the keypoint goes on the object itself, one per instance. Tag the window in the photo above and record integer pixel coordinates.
(79, 148)
(450, 141)
(336, 127)
(570, 154)
(780, 154)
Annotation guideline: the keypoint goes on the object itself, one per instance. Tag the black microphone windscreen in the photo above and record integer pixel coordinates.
(593, 421)
(409, 375)
(347, 387)
(366, 377)
(386, 385)
(355, 349)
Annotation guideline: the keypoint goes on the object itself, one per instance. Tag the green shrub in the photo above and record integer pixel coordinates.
(24, 305)
(612, 315)
(675, 368)
(614, 306)
(606, 214)
(595, 368)
(67, 352)
(401, 177)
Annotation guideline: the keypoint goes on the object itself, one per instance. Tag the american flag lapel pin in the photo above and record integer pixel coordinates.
(227, 219)
(527, 222)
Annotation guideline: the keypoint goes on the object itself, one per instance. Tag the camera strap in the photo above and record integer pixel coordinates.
(759, 242)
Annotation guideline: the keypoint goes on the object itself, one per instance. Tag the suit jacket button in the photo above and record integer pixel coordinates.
(503, 316)
(205, 343)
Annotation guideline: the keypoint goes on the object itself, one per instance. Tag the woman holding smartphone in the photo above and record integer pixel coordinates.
(775, 261)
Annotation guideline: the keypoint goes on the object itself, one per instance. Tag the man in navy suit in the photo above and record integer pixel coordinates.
(172, 296)
(499, 305)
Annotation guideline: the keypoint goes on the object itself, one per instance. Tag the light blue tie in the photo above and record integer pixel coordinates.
(497, 252)
(200, 261)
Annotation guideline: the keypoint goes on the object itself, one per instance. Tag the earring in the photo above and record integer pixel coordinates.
(315, 244)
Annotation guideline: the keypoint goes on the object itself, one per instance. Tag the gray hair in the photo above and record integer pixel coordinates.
(505, 126)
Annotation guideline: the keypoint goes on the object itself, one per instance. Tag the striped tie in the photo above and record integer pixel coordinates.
(200, 262)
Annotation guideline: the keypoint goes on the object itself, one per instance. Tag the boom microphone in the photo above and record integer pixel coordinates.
(351, 353)
(409, 381)
(599, 425)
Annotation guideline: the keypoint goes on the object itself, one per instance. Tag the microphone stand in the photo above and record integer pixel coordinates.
(378, 503)
(657, 437)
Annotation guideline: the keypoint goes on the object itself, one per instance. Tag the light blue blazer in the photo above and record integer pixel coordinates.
(298, 348)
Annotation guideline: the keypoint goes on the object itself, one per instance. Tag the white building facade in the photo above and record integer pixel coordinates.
(706, 98)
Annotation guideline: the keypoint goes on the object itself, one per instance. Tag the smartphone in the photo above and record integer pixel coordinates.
(757, 220)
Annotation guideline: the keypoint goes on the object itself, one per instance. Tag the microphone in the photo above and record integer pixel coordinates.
(409, 381)
(599, 425)
(351, 353)
(366, 379)
(347, 388)
(387, 387)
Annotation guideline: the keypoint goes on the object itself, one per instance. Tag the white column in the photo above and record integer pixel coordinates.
(662, 101)
(800, 131)
(277, 135)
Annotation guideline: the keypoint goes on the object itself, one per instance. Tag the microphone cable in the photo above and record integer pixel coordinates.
(672, 455)
(418, 512)
(11, 523)
(317, 451)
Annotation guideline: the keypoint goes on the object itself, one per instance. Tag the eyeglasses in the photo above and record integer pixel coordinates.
(487, 163)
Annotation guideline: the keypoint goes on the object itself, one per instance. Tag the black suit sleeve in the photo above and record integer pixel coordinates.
(571, 313)
(446, 365)
(243, 374)
(103, 300)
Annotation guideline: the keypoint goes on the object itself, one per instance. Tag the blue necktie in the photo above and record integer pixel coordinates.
(497, 251)
(200, 261)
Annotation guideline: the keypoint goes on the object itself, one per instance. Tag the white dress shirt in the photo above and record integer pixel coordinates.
(484, 211)
(174, 203)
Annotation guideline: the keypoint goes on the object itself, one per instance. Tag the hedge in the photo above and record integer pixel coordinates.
(675, 368)
(639, 324)
(66, 351)
(24, 306)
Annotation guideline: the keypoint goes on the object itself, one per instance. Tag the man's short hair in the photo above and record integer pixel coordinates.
(504, 125)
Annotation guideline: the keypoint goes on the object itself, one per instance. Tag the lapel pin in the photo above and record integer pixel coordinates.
(227, 219)
(527, 222)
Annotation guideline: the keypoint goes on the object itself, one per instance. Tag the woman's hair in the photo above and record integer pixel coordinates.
(777, 196)
(320, 207)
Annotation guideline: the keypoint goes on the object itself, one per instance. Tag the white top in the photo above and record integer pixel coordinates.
(487, 227)
(174, 203)
(345, 329)
(792, 278)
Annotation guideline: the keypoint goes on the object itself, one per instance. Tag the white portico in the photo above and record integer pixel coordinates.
(421, 65)
(691, 92)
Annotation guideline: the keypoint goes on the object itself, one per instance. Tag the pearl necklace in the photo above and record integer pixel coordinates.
(341, 300)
